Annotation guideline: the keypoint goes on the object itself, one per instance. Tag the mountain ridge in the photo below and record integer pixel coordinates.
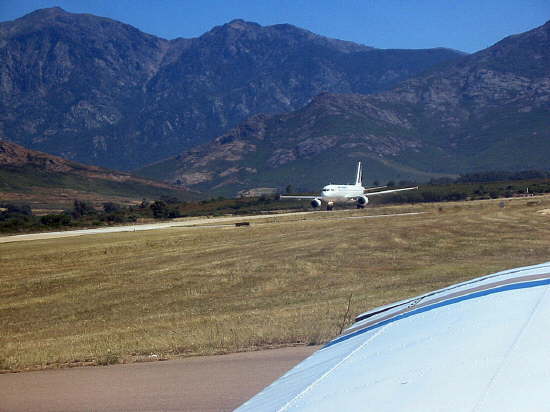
(102, 92)
(35, 175)
(488, 110)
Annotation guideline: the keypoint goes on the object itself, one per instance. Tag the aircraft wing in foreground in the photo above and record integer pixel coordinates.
(482, 345)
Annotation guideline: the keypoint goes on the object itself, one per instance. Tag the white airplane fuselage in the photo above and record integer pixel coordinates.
(341, 193)
(332, 194)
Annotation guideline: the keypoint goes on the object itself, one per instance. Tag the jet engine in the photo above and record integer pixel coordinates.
(315, 203)
(362, 201)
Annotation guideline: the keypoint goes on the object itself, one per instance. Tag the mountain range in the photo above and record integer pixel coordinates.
(485, 111)
(287, 106)
(98, 91)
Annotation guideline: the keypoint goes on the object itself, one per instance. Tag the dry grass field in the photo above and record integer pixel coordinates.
(178, 292)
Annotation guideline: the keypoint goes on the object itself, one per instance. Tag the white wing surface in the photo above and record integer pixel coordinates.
(383, 192)
(299, 197)
(367, 189)
(482, 345)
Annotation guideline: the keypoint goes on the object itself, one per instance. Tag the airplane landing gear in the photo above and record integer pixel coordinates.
(330, 206)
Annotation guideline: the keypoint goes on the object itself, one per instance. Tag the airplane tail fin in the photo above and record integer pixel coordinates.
(359, 178)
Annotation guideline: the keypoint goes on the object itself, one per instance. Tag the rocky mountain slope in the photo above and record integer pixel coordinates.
(486, 111)
(28, 173)
(98, 91)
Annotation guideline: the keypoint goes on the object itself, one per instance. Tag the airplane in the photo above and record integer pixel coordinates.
(474, 346)
(332, 194)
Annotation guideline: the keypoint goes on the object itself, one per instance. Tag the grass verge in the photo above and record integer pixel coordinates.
(104, 299)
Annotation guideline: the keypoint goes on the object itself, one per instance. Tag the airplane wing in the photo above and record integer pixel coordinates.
(480, 345)
(299, 197)
(367, 189)
(383, 192)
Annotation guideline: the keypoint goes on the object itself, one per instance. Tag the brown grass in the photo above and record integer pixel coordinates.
(192, 291)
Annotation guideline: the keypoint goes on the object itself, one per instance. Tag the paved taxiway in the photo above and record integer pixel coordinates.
(189, 223)
(209, 383)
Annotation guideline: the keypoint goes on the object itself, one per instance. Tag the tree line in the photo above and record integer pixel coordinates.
(483, 185)
(20, 218)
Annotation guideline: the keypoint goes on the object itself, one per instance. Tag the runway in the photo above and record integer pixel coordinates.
(199, 222)
(213, 383)
(188, 223)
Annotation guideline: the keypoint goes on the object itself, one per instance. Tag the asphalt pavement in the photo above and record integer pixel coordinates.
(210, 383)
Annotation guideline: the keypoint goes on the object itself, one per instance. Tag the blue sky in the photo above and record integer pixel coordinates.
(467, 25)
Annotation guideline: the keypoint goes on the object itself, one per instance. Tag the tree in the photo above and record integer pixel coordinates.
(19, 209)
(19, 213)
(161, 210)
(110, 207)
(81, 208)
(55, 220)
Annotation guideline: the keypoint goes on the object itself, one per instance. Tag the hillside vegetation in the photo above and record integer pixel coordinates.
(43, 180)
